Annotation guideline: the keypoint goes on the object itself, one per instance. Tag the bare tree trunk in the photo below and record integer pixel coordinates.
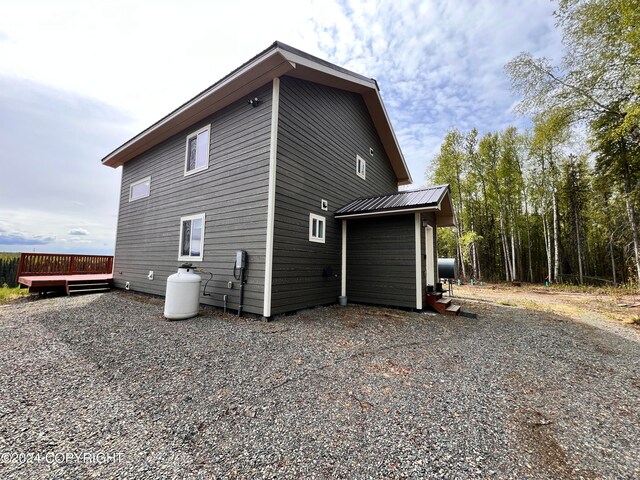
(631, 213)
(547, 245)
(578, 242)
(477, 257)
(505, 253)
(556, 236)
(613, 261)
(526, 212)
(461, 258)
(513, 255)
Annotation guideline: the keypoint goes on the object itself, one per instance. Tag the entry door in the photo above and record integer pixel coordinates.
(429, 264)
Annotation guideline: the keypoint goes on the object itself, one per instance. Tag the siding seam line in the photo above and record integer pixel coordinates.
(271, 202)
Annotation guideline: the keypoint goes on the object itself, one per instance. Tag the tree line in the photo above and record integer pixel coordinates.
(9, 269)
(558, 201)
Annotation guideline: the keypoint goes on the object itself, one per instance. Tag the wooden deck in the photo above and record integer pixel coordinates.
(42, 272)
(61, 280)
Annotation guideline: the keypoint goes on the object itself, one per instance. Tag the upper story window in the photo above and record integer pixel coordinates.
(197, 156)
(140, 189)
(361, 167)
(317, 228)
(191, 237)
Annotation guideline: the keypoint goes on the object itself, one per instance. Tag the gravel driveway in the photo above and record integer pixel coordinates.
(101, 385)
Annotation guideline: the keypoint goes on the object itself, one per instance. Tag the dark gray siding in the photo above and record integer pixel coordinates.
(232, 193)
(320, 131)
(381, 261)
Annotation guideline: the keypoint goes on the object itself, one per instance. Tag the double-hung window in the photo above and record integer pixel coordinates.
(197, 155)
(317, 230)
(191, 237)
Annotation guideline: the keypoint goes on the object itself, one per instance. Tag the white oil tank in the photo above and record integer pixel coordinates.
(182, 299)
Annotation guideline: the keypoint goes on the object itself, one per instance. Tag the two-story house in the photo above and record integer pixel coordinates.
(293, 160)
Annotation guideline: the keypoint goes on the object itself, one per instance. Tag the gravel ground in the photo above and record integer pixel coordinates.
(102, 386)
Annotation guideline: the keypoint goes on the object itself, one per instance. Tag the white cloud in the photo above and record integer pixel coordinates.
(439, 63)
(79, 78)
(78, 231)
(24, 239)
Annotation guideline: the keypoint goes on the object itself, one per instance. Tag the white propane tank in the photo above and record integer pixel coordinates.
(182, 299)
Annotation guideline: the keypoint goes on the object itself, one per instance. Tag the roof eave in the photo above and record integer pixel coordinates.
(276, 61)
(380, 213)
(204, 104)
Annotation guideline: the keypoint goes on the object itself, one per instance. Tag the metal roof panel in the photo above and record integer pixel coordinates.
(411, 199)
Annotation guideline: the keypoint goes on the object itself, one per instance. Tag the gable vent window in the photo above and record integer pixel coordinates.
(191, 237)
(361, 167)
(140, 189)
(197, 155)
(317, 224)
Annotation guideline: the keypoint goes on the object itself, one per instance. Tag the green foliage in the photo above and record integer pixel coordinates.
(447, 242)
(9, 263)
(466, 241)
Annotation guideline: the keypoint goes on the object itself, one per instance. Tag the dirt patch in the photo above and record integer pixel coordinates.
(602, 303)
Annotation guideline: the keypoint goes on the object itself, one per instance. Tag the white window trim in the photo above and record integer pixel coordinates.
(319, 218)
(324, 205)
(206, 128)
(139, 182)
(362, 174)
(186, 258)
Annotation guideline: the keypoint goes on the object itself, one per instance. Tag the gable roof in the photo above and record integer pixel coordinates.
(277, 60)
(432, 199)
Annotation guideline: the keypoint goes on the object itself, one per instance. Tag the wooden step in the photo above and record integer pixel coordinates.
(441, 305)
(88, 287)
(452, 310)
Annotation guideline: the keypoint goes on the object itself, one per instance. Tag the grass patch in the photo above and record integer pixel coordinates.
(7, 294)
(507, 304)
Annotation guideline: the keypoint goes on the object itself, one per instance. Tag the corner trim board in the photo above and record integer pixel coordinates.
(418, 227)
(271, 202)
(343, 286)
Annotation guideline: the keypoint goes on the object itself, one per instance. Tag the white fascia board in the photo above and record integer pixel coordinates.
(387, 212)
(395, 139)
(204, 95)
(296, 59)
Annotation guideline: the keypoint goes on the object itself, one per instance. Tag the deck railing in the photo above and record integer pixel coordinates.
(62, 264)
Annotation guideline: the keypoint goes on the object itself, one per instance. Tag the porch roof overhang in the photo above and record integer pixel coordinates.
(432, 199)
(277, 60)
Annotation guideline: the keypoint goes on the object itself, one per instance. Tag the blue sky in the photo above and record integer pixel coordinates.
(78, 78)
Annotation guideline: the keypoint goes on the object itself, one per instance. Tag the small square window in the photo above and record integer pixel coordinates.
(197, 154)
(371, 151)
(140, 189)
(317, 225)
(191, 237)
(361, 167)
(324, 205)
